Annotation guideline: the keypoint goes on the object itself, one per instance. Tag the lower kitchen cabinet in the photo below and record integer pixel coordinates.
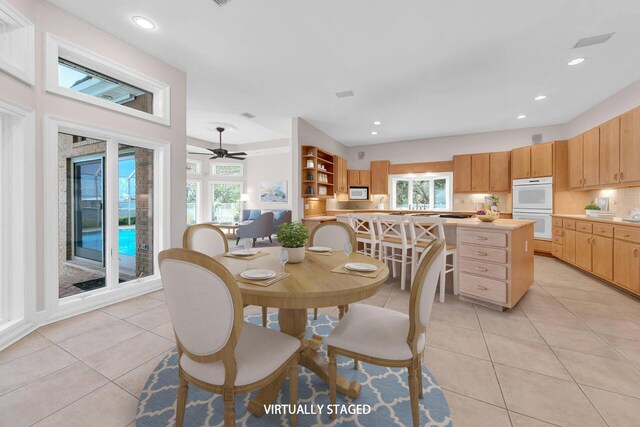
(626, 265)
(583, 250)
(602, 256)
(569, 246)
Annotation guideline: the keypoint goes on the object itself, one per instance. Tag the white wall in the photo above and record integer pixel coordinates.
(268, 167)
(48, 18)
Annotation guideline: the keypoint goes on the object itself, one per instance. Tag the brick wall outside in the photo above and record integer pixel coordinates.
(144, 212)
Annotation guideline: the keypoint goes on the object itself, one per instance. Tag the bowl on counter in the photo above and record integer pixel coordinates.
(488, 218)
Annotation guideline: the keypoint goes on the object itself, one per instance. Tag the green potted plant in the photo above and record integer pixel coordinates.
(293, 236)
(591, 210)
(494, 202)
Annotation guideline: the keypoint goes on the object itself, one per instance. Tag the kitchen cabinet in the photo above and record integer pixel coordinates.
(340, 179)
(610, 152)
(359, 178)
(480, 168)
(575, 162)
(542, 160)
(583, 250)
(462, 173)
(626, 266)
(591, 158)
(630, 146)
(380, 177)
(569, 245)
(521, 163)
(499, 174)
(602, 256)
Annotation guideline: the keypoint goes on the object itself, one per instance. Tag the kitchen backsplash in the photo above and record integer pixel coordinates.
(621, 201)
(461, 202)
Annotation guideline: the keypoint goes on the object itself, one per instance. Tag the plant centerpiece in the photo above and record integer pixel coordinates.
(591, 210)
(494, 202)
(293, 236)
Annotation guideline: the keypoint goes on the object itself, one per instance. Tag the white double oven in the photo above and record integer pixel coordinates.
(533, 200)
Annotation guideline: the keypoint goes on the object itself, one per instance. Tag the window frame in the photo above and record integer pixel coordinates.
(210, 197)
(198, 184)
(57, 47)
(23, 68)
(214, 164)
(432, 177)
(199, 166)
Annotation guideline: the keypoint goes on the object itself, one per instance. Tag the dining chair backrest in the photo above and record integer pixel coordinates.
(363, 224)
(205, 238)
(334, 235)
(391, 226)
(204, 302)
(426, 229)
(423, 288)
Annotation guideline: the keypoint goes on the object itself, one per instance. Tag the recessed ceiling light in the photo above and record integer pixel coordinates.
(374, 133)
(144, 23)
(540, 97)
(576, 61)
(377, 123)
(345, 94)
(521, 116)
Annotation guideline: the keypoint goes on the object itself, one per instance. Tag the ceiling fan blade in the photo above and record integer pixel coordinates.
(204, 154)
(237, 154)
(214, 157)
(234, 157)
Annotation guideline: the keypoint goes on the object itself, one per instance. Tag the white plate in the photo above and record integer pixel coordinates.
(258, 274)
(360, 266)
(319, 249)
(245, 252)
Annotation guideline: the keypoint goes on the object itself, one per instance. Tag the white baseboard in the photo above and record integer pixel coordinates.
(11, 332)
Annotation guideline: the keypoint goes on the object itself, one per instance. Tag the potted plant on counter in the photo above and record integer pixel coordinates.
(592, 210)
(293, 236)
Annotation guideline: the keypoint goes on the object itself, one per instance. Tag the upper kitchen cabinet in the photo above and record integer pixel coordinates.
(499, 179)
(480, 169)
(575, 162)
(359, 178)
(630, 146)
(591, 158)
(340, 178)
(462, 173)
(521, 163)
(610, 152)
(542, 160)
(532, 162)
(380, 177)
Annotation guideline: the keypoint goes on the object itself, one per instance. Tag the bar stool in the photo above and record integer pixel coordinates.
(364, 226)
(392, 235)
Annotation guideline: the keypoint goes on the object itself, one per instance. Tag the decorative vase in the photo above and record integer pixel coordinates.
(296, 255)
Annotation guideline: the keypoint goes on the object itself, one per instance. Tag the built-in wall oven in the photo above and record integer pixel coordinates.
(533, 200)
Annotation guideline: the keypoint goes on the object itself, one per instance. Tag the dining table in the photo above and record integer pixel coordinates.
(309, 284)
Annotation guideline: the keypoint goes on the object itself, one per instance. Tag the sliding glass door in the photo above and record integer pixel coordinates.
(88, 209)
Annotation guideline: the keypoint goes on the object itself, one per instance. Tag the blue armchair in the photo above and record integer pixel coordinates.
(260, 228)
(280, 217)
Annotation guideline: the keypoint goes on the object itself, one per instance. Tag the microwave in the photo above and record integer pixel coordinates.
(358, 193)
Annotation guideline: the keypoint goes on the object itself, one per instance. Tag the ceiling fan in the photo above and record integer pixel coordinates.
(221, 153)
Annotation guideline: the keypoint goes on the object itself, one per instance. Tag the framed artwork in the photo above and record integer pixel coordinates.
(273, 192)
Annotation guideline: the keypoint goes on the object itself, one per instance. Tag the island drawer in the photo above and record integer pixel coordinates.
(557, 222)
(583, 226)
(628, 233)
(483, 238)
(569, 224)
(603, 230)
(557, 240)
(483, 253)
(556, 250)
(484, 269)
(557, 231)
(488, 289)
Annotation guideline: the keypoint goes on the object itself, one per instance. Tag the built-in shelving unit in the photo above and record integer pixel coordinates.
(317, 172)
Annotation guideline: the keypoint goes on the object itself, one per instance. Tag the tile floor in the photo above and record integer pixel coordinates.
(567, 355)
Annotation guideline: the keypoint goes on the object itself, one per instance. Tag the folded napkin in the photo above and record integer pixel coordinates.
(342, 270)
(331, 252)
(264, 283)
(258, 255)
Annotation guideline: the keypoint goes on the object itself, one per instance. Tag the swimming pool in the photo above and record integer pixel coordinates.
(126, 241)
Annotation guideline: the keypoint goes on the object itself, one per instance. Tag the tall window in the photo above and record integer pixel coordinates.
(421, 192)
(193, 201)
(225, 201)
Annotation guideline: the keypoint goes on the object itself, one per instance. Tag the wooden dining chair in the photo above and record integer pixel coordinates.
(387, 337)
(210, 240)
(424, 230)
(334, 235)
(217, 351)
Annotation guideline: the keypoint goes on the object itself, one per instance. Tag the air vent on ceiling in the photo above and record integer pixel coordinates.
(221, 2)
(536, 138)
(360, 155)
(248, 115)
(590, 41)
(344, 94)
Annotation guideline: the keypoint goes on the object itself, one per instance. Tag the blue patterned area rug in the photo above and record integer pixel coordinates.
(385, 390)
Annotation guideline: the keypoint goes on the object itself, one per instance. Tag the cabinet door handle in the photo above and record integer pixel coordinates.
(593, 241)
(481, 269)
(626, 235)
(588, 240)
(621, 176)
(480, 238)
(615, 177)
(482, 288)
(481, 253)
(635, 252)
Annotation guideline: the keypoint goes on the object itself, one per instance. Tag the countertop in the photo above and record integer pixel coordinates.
(615, 220)
(321, 218)
(331, 211)
(504, 224)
